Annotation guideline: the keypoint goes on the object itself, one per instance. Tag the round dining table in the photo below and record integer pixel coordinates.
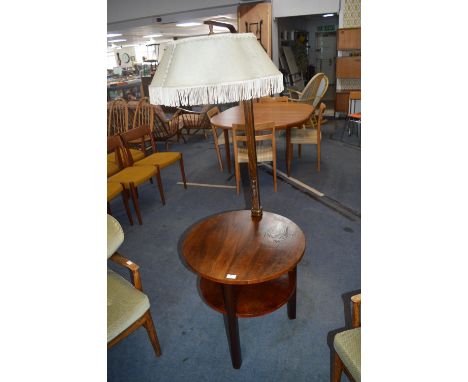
(285, 115)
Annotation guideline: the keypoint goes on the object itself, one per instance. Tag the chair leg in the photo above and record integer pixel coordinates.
(127, 207)
(318, 156)
(344, 128)
(160, 186)
(274, 174)
(237, 172)
(291, 154)
(220, 161)
(182, 170)
(135, 202)
(337, 369)
(152, 334)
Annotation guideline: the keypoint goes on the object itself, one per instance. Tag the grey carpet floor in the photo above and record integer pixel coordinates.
(192, 335)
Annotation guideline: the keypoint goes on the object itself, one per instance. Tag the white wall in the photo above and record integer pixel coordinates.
(286, 8)
(124, 10)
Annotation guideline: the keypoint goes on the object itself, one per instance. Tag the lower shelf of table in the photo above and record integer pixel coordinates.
(252, 300)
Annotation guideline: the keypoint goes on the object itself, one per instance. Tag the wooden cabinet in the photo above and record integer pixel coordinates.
(256, 19)
(349, 39)
(348, 67)
(342, 101)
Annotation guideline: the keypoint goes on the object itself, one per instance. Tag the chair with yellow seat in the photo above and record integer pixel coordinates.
(307, 136)
(157, 159)
(117, 121)
(113, 190)
(128, 308)
(265, 152)
(130, 177)
(347, 346)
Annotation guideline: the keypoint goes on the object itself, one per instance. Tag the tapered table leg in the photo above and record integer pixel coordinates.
(227, 148)
(288, 144)
(292, 301)
(232, 326)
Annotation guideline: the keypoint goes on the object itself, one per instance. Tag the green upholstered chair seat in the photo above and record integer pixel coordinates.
(347, 345)
(125, 304)
(115, 235)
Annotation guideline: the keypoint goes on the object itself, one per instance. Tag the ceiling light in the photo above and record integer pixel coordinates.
(114, 35)
(118, 40)
(187, 24)
(153, 35)
(328, 15)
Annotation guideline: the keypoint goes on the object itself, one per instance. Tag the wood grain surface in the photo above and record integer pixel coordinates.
(235, 248)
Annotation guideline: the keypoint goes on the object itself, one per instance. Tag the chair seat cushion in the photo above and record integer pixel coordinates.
(112, 168)
(135, 174)
(304, 136)
(264, 154)
(113, 189)
(355, 116)
(125, 304)
(347, 345)
(162, 159)
(136, 155)
(115, 235)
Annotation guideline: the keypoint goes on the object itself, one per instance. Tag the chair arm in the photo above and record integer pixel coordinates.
(356, 299)
(131, 266)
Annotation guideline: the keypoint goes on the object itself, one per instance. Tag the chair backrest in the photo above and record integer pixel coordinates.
(138, 133)
(321, 110)
(263, 131)
(273, 99)
(118, 117)
(212, 112)
(315, 89)
(115, 146)
(354, 96)
(144, 114)
(115, 235)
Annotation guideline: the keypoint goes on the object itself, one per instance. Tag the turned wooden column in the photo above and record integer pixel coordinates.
(252, 153)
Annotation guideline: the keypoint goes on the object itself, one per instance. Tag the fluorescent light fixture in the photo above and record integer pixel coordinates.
(153, 35)
(114, 35)
(328, 15)
(118, 40)
(190, 24)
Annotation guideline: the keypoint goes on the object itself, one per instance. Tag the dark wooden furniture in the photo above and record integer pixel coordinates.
(246, 266)
(349, 39)
(285, 115)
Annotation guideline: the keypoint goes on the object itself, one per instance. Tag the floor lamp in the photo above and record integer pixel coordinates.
(214, 69)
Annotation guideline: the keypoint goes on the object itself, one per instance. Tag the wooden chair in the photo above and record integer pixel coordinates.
(144, 114)
(307, 136)
(265, 153)
(218, 138)
(117, 122)
(347, 347)
(130, 177)
(312, 93)
(273, 99)
(159, 160)
(113, 190)
(128, 307)
(164, 129)
(193, 120)
(353, 116)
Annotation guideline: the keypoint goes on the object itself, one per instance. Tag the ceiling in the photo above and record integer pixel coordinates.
(135, 35)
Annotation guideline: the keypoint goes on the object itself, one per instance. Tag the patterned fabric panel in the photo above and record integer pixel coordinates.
(115, 235)
(352, 14)
(125, 304)
(348, 84)
(264, 154)
(304, 136)
(348, 346)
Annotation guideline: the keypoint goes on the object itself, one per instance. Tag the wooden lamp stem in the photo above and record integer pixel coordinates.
(252, 153)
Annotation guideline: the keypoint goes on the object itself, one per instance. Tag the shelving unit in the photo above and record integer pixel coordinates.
(348, 64)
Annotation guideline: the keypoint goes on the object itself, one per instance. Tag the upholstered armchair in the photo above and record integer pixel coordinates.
(128, 307)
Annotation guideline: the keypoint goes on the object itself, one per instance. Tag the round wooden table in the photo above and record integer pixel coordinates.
(285, 115)
(246, 266)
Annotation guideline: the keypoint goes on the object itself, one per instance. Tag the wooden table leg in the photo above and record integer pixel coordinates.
(288, 144)
(292, 301)
(226, 146)
(232, 326)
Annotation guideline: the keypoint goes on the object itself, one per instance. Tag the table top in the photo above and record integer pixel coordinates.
(284, 114)
(235, 248)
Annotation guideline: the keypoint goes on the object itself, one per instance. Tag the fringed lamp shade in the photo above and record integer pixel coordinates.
(214, 69)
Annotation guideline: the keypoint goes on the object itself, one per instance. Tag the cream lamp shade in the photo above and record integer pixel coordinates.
(214, 69)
